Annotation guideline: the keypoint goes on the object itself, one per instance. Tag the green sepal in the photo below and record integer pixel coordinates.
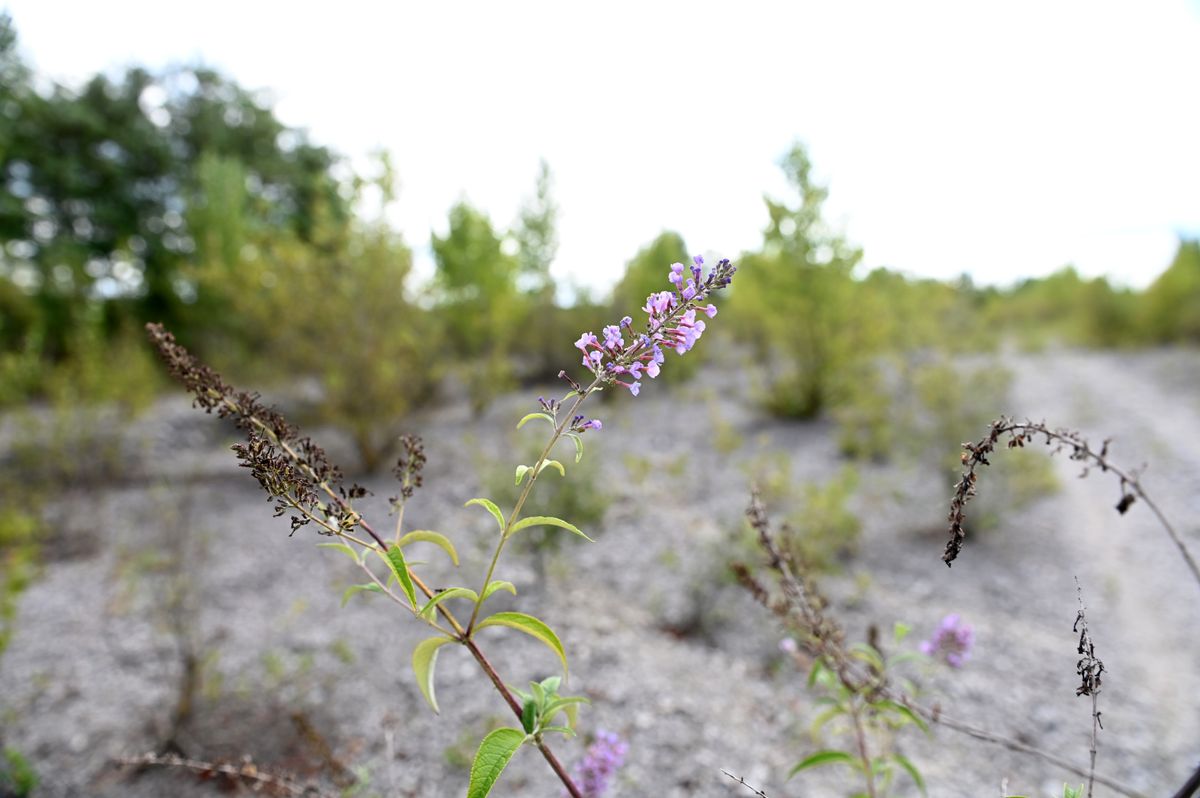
(351, 591)
(825, 758)
(491, 507)
(530, 626)
(424, 661)
(578, 444)
(495, 752)
(399, 568)
(548, 463)
(520, 475)
(545, 416)
(453, 592)
(351, 553)
(547, 520)
(429, 536)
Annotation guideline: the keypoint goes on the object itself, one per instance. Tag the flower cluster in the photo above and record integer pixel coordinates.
(951, 641)
(672, 324)
(603, 758)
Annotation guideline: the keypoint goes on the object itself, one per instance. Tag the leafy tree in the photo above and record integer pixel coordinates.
(97, 184)
(1171, 309)
(798, 302)
(536, 234)
(477, 298)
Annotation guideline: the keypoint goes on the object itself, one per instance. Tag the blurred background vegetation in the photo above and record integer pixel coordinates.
(181, 198)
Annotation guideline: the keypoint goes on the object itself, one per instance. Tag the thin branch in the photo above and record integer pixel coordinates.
(742, 782)
(976, 454)
(246, 773)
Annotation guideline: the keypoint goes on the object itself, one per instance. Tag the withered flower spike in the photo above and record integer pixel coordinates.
(292, 470)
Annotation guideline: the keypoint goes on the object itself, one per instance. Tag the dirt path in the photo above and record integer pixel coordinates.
(1144, 604)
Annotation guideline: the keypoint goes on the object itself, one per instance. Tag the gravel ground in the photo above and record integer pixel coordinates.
(182, 554)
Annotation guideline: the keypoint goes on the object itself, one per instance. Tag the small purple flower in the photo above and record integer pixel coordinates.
(603, 759)
(676, 275)
(711, 310)
(593, 424)
(612, 337)
(951, 641)
(584, 340)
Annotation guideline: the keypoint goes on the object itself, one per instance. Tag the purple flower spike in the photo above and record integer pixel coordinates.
(671, 324)
(603, 759)
(951, 641)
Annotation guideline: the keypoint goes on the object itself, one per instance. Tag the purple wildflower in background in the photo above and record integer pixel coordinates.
(951, 642)
(603, 758)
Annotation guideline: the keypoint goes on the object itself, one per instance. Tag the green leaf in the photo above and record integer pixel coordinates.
(869, 655)
(814, 729)
(424, 660)
(825, 758)
(399, 568)
(530, 626)
(815, 672)
(908, 714)
(529, 715)
(555, 464)
(551, 684)
(429, 536)
(491, 507)
(351, 553)
(911, 770)
(449, 593)
(494, 585)
(900, 631)
(567, 705)
(493, 756)
(545, 416)
(564, 730)
(354, 589)
(521, 469)
(578, 445)
(546, 520)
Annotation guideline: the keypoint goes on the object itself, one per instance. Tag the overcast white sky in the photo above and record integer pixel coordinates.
(1003, 140)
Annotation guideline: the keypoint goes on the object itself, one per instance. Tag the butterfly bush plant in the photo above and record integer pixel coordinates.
(302, 482)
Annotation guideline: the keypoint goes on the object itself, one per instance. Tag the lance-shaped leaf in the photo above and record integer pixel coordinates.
(578, 444)
(912, 771)
(547, 520)
(424, 660)
(494, 754)
(497, 584)
(553, 464)
(429, 536)
(545, 416)
(520, 475)
(351, 553)
(399, 568)
(826, 758)
(370, 587)
(491, 507)
(530, 626)
(453, 592)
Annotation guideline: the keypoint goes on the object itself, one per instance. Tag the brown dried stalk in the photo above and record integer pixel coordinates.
(745, 784)
(297, 475)
(1020, 433)
(801, 604)
(244, 773)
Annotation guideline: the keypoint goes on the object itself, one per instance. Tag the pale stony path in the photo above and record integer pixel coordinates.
(683, 666)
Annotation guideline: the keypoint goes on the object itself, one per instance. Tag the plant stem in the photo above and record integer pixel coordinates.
(1095, 723)
(860, 735)
(513, 516)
